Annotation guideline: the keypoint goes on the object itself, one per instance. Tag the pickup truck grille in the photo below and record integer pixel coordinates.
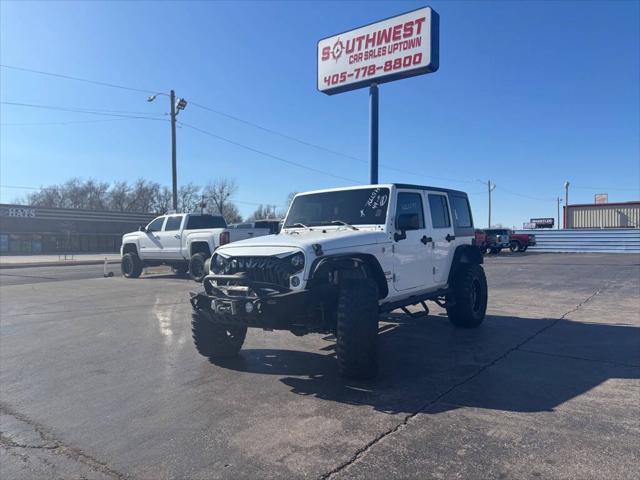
(262, 269)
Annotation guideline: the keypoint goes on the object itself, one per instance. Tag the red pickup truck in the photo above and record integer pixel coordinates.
(521, 241)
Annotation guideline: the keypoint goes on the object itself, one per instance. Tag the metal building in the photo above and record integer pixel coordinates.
(604, 215)
(26, 229)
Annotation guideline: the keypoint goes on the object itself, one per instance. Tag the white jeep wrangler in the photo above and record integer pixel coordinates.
(343, 257)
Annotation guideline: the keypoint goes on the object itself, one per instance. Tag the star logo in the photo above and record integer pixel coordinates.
(336, 51)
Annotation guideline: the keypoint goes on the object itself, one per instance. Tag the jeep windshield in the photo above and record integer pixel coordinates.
(362, 206)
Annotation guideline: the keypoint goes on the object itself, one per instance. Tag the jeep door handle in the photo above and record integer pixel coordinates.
(426, 239)
(448, 238)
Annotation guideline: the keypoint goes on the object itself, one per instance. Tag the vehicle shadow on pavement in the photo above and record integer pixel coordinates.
(509, 363)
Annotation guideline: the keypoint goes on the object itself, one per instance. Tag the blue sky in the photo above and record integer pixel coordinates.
(528, 94)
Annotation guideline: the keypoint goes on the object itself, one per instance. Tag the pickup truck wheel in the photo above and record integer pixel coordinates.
(515, 246)
(469, 297)
(182, 270)
(523, 248)
(357, 329)
(214, 340)
(131, 265)
(197, 271)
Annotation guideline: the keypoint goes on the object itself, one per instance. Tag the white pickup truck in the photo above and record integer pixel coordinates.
(182, 241)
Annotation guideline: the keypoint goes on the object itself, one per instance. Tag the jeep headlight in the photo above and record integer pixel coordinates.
(297, 261)
(219, 264)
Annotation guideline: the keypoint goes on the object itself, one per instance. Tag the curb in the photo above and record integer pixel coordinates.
(64, 263)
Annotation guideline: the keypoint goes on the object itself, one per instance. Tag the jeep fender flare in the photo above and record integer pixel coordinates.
(352, 261)
(465, 254)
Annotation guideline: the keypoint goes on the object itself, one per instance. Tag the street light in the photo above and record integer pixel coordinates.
(180, 105)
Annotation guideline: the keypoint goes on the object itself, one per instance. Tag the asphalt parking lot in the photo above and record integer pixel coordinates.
(99, 379)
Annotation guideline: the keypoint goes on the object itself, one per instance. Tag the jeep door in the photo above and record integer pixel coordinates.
(442, 234)
(170, 238)
(411, 248)
(150, 246)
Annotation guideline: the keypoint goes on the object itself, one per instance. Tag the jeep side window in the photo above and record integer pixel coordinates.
(156, 225)
(173, 223)
(439, 211)
(409, 207)
(461, 211)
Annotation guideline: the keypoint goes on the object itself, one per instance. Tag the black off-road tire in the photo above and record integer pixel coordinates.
(357, 329)
(468, 299)
(523, 248)
(131, 265)
(515, 246)
(197, 266)
(213, 340)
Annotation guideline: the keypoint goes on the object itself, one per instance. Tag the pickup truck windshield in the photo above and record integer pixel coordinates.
(196, 222)
(364, 206)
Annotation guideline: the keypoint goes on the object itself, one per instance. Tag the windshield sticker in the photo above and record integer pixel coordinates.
(374, 203)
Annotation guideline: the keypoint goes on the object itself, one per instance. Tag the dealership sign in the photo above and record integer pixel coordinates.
(543, 222)
(398, 47)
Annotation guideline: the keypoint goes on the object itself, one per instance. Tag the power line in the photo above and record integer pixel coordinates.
(266, 154)
(506, 190)
(108, 113)
(321, 147)
(241, 120)
(78, 79)
(33, 124)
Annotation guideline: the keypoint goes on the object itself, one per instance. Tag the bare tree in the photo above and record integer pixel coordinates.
(144, 196)
(263, 212)
(188, 198)
(164, 200)
(231, 213)
(74, 193)
(120, 197)
(219, 193)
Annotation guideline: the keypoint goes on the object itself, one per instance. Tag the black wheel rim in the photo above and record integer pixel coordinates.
(476, 296)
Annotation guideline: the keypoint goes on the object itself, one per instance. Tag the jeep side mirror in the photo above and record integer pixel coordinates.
(405, 221)
(400, 236)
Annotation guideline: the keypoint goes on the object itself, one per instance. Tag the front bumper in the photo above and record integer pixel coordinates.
(237, 300)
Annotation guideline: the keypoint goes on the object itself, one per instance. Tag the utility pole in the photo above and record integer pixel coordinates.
(566, 203)
(175, 108)
(559, 202)
(490, 187)
(174, 169)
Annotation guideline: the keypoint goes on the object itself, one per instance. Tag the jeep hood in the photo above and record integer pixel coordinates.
(284, 243)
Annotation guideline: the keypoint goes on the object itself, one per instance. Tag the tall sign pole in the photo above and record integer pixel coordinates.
(399, 47)
(373, 133)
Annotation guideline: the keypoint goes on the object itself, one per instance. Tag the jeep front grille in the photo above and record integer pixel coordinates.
(261, 269)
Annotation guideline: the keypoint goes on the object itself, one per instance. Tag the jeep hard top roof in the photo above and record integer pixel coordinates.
(388, 185)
